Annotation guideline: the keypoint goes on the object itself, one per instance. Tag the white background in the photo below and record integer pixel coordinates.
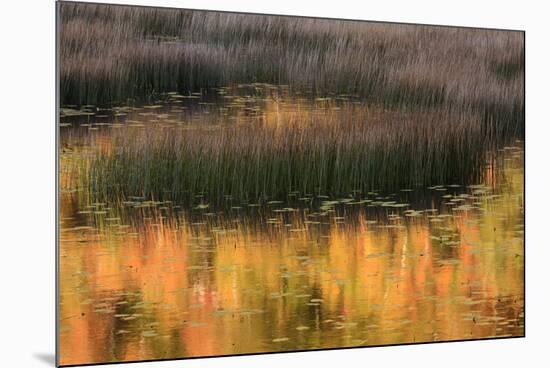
(27, 182)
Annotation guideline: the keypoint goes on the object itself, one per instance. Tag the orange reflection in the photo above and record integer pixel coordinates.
(173, 286)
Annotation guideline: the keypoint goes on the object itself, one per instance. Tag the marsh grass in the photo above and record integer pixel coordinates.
(333, 154)
(111, 53)
(444, 97)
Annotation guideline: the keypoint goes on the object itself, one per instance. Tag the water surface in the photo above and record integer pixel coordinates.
(145, 279)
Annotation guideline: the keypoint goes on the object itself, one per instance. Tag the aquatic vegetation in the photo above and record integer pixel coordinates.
(109, 54)
(235, 184)
(305, 149)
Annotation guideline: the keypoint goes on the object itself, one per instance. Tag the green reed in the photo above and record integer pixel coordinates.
(333, 154)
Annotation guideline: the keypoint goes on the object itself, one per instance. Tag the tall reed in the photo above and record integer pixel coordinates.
(110, 53)
(331, 154)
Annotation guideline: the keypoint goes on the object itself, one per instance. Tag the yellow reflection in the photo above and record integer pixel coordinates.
(155, 286)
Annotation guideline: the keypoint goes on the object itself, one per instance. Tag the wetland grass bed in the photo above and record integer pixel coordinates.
(264, 150)
(110, 55)
(238, 183)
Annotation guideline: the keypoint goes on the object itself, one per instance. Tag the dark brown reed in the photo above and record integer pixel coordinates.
(111, 53)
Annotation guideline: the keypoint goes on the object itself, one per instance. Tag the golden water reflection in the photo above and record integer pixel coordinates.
(152, 281)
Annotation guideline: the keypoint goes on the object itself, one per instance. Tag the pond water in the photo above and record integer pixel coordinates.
(145, 279)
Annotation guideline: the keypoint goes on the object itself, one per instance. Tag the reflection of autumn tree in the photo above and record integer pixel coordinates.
(160, 286)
